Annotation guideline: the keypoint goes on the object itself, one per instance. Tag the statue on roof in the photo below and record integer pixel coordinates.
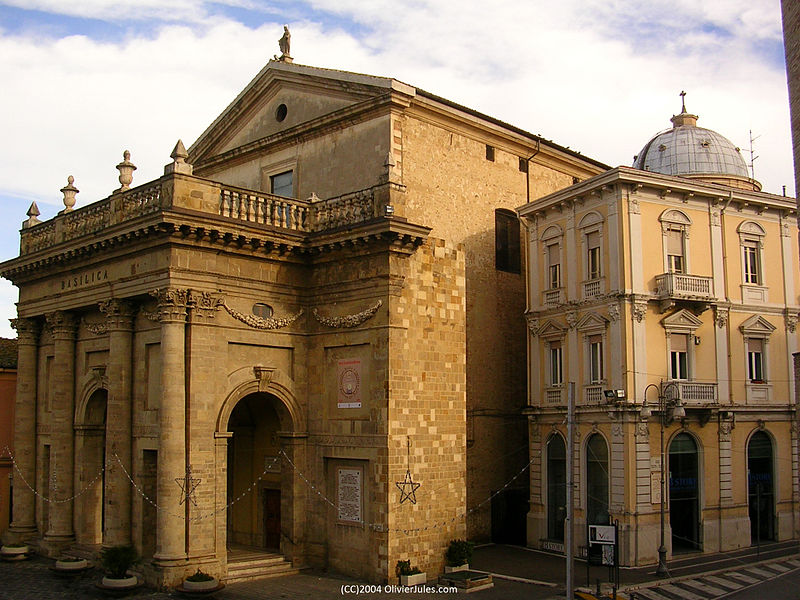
(284, 44)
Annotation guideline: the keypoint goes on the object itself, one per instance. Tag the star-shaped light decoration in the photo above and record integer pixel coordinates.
(407, 488)
(188, 485)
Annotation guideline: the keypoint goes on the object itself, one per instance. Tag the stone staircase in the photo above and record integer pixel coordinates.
(247, 565)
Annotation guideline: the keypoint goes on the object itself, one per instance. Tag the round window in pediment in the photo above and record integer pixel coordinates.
(281, 112)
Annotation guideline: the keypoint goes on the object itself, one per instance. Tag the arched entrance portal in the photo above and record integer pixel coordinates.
(684, 493)
(254, 473)
(760, 487)
(90, 451)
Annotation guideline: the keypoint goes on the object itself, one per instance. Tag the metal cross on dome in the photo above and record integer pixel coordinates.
(188, 484)
(408, 487)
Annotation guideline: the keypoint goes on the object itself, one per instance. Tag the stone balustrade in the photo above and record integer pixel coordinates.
(181, 191)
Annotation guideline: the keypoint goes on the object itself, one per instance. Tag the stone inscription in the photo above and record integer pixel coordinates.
(84, 279)
(349, 495)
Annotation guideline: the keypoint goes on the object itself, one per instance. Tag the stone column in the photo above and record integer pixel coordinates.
(171, 534)
(24, 522)
(293, 495)
(60, 532)
(119, 318)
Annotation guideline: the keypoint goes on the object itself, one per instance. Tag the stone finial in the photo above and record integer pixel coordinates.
(178, 164)
(126, 169)
(69, 192)
(33, 213)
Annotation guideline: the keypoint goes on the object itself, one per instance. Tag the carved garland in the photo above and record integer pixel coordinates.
(348, 320)
(260, 322)
(96, 328)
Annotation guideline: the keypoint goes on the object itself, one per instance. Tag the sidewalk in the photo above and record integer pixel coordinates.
(519, 573)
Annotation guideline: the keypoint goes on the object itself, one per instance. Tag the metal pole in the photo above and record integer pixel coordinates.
(662, 549)
(570, 499)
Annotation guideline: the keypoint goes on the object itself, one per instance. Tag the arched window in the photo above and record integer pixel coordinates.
(597, 480)
(506, 241)
(556, 487)
(760, 487)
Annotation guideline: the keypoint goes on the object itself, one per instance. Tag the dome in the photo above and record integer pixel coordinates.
(687, 150)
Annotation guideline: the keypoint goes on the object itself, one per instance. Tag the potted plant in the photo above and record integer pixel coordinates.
(15, 551)
(199, 582)
(458, 555)
(408, 575)
(68, 564)
(116, 560)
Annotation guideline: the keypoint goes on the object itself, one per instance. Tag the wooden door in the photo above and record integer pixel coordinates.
(272, 519)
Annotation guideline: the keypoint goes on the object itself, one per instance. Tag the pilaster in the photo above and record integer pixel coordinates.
(293, 502)
(119, 321)
(63, 326)
(171, 542)
(24, 524)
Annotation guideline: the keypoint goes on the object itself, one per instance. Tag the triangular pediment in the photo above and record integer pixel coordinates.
(307, 95)
(682, 320)
(592, 321)
(757, 325)
(552, 329)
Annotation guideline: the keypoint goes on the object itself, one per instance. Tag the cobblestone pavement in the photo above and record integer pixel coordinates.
(34, 579)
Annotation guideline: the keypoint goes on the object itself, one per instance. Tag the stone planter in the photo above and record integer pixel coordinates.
(14, 552)
(72, 565)
(126, 583)
(200, 586)
(464, 567)
(412, 580)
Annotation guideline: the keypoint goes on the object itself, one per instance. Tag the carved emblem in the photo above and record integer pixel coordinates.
(639, 310)
(721, 316)
(613, 312)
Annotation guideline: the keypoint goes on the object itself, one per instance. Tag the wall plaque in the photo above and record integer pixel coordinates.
(348, 495)
(348, 378)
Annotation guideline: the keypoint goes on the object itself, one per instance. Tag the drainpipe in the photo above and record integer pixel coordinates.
(528, 174)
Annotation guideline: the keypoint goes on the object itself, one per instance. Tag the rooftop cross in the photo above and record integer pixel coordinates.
(683, 101)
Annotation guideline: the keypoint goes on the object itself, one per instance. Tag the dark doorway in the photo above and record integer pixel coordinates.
(509, 516)
(272, 519)
(760, 488)
(684, 494)
(556, 487)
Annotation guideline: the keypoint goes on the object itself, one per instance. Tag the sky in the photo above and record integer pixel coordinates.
(82, 81)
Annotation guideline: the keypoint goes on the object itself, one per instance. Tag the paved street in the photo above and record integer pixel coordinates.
(519, 573)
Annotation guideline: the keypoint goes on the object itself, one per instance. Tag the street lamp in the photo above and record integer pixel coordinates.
(678, 412)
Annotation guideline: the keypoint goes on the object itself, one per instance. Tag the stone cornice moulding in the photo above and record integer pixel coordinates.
(348, 321)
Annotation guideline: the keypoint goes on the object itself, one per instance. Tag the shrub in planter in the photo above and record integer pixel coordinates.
(71, 563)
(459, 552)
(200, 581)
(407, 574)
(116, 560)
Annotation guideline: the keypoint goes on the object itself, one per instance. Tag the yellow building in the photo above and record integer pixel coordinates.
(668, 293)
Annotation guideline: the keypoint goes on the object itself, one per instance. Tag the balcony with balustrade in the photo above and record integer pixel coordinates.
(674, 288)
(692, 394)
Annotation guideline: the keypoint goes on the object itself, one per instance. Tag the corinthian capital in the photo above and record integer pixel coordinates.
(119, 314)
(172, 303)
(62, 324)
(27, 330)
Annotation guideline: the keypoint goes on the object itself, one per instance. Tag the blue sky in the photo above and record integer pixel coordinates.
(85, 80)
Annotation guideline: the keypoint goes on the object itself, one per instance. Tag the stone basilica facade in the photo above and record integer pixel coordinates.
(271, 345)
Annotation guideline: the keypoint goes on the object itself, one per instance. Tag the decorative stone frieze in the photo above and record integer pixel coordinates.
(533, 324)
(261, 322)
(572, 319)
(642, 431)
(348, 320)
(791, 322)
(203, 304)
(725, 428)
(613, 312)
(95, 328)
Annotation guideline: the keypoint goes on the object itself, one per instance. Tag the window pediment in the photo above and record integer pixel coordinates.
(682, 321)
(589, 219)
(592, 322)
(552, 330)
(757, 326)
(552, 232)
(751, 228)
(675, 216)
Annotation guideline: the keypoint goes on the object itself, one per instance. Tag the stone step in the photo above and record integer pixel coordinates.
(259, 568)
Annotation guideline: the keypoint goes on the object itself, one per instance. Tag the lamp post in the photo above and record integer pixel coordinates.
(678, 412)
